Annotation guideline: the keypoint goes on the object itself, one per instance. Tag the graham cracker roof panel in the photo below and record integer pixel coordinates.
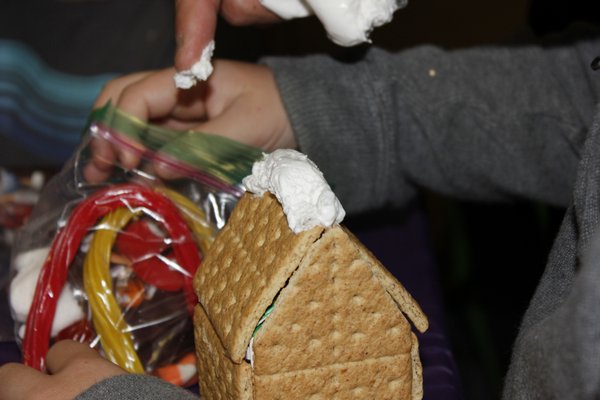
(333, 310)
(258, 238)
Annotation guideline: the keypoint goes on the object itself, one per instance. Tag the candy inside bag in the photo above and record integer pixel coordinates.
(111, 263)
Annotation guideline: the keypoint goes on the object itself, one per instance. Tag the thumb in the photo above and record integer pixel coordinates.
(79, 359)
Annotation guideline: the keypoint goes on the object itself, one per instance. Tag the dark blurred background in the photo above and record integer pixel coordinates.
(490, 256)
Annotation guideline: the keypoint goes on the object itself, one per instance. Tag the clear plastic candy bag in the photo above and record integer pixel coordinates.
(111, 263)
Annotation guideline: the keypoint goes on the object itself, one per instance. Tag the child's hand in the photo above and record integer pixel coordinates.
(240, 101)
(72, 368)
(196, 21)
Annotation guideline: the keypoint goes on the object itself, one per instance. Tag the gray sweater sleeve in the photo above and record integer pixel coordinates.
(488, 123)
(135, 387)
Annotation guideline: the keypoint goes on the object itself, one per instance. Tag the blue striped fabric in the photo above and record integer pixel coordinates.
(42, 111)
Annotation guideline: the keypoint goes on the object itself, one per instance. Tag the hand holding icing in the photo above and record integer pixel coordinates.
(347, 22)
(300, 187)
(200, 71)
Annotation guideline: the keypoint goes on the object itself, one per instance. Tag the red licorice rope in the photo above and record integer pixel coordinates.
(66, 245)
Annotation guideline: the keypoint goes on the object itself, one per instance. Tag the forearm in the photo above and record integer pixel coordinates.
(337, 121)
(486, 124)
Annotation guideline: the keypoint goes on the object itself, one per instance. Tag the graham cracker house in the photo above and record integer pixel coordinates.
(312, 315)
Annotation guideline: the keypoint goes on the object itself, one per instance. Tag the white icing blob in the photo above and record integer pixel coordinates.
(200, 71)
(300, 187)
(347, 22)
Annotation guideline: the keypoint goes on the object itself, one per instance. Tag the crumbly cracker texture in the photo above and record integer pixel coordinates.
(340, 326)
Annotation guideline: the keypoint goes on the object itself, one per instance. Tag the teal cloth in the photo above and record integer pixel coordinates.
(42, 111)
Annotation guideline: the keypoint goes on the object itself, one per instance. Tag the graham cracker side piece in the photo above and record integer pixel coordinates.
(417, 370)
(257, 237)
(332, 311)
(405, 301)
(386, 378)
(306, 348)
(220, 378)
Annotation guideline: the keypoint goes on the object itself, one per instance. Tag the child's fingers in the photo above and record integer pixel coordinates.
(79, 359)
(112, 89)
(20, 382)
(150, 98)
(105, 155)
(236, 122)
(65, 352)
(73, 368)
(155, 97)
(195, 24)
(102, 162)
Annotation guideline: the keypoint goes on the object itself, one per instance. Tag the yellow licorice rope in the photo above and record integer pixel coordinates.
(193, 216)
(107, 316)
